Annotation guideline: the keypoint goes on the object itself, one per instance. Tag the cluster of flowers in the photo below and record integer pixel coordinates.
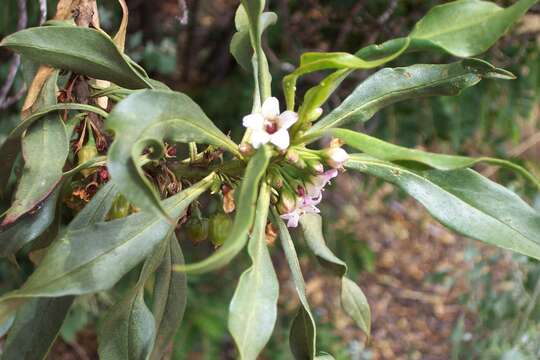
(271, 126)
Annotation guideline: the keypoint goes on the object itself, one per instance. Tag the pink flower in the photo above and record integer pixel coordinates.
(309, 198)
(317, 183)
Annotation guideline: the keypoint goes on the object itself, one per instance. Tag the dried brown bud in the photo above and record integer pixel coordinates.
(271, 234)
(228, 201)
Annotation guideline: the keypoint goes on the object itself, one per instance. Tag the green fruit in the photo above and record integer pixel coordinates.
(197, 229)
(220, 226)
(120, 207)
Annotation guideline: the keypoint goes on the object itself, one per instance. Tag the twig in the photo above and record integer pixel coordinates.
(184, 13)
(526, 145)
(348, 25)
(16, 60)
(388, 12)
(42, 11)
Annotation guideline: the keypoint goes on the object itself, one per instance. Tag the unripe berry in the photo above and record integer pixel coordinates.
(197, 229)
(220, 225)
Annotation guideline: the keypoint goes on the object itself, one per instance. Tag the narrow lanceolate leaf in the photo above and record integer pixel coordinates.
(143, 120)
(82, 50)
(127, 331)
(105, 251)
(253, 308)
(29, 227)
(240, 46)
(466, 202)
(466, 27)
(38, 321)
(45, 148)
(388, 86)
(353, 300)
(170, 298)
(253, 20)
(355, 304)
(302, 337)
(310, 62)
(36, 325)
(243, 220)
(386, 151)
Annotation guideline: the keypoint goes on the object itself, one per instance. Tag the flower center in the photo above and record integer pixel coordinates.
(271, 127)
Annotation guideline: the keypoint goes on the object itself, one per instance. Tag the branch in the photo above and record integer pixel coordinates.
(15, 61)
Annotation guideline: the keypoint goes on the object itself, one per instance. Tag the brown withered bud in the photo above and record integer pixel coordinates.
(270, 234)
(336, 143)
(245, 149)
(228, 199)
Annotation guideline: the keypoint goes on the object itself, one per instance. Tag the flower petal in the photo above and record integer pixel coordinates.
(280, 139)
(270, 108)
(292, 218)
(259, 137)
(287, 119)
(253, 121)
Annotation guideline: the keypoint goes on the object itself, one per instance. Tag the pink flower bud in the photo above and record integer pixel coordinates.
(287, 203)
(336, 157)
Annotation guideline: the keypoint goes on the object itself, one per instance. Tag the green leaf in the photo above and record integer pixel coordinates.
(240, 46)
(302, 337)
(388, 86)
(324, 357)
(311, 62)
(84, 51)
(143, 120)
(170, 298)
(243, 220)
(466, 202)
(355, 304)
(38, 321)
(312, 229)
(353, 300)
(105, 251)
(36, 326)
(28, 228)
(45, 148)
(386, 151)
(467, 27)
(318, 95)
(253, 12)
(128, 329)
(253, 308)
(128, 332)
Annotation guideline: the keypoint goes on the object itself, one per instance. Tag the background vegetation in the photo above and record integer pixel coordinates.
(433, 296)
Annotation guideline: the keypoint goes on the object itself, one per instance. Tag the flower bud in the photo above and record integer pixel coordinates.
(292, 156)
(314, 114)
(245, 149)
(336, 157)
(219, 227)
(287, 202)
(316, 166)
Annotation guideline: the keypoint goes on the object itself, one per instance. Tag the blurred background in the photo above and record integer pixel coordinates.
(434, 295)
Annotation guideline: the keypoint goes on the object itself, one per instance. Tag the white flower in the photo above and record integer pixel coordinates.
(336, 157)
(270, 125)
